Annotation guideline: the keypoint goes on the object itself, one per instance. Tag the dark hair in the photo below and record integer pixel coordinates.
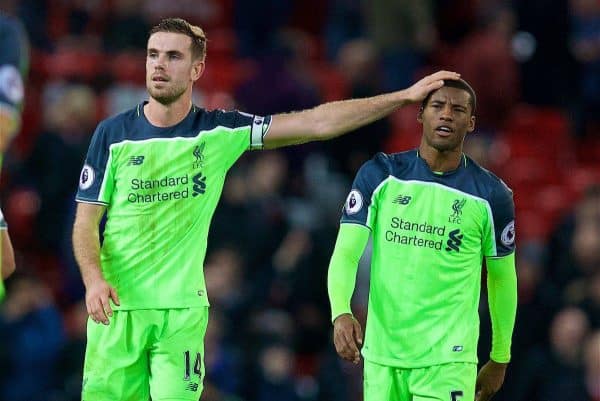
(459, 84)
(179, 25)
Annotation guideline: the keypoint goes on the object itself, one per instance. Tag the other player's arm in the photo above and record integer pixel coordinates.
(86, 247)
(8, 255)
(341, 280)
(502, 299)
(333, 119)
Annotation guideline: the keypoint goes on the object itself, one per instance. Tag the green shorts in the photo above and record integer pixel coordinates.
(447, 382)
(154, 353)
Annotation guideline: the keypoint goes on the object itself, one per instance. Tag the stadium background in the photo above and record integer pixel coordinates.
(535, 66)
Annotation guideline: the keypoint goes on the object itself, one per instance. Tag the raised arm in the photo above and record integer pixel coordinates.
(86, 247)
(333, 119)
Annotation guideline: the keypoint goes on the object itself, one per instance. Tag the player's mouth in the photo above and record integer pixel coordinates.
(159, 78)
(444, 130)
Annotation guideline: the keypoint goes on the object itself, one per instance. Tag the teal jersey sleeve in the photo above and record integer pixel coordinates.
(341, 278)
(500, 234)
(96, 180)
(502, 294)
(359, 207)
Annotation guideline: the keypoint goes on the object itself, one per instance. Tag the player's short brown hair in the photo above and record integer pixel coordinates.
(459, 84)
(179, 25)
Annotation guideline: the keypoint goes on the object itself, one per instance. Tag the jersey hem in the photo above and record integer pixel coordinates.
(171, 306)
(95, 202)
(399, 363)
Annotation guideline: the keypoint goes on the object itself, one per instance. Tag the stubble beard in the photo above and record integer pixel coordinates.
(166, 97)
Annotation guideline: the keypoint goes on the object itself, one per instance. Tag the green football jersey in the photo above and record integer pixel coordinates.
(430, 234)
(161, 187)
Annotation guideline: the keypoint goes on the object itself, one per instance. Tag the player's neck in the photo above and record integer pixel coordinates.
(161, 115)
(440, 161)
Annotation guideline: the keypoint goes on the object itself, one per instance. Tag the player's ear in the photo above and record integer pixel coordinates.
(471, 126)
(197, 69)
(420, 115)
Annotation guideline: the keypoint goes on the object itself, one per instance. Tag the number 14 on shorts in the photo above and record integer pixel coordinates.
(454, 395)
(188, 365)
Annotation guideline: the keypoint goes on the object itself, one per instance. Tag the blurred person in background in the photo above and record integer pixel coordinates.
(434, 214)
(55, 160)
(32, 327)
(158, 214)
(585, 48)
(276, 380)
(359, 63)
(555, 371)
(67, 386)
(403, 33)
(591, 363)
(573, 248)
(483, 53)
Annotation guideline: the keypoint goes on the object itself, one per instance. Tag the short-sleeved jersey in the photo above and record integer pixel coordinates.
(14, 62)
(161, 187)
(430, 234)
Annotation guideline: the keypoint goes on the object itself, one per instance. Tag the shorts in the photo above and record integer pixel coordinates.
(446, 382)
(154, 353)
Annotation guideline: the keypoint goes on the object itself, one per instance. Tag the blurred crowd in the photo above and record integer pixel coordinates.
(535, 66)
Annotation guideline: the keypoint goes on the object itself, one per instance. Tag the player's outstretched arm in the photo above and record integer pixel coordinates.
(86, 247)
(8, 255)
(502, 298)
(333, 119)
(341, 279)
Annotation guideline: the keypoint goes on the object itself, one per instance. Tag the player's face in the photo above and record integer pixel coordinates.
(170, 69)
(447, 119)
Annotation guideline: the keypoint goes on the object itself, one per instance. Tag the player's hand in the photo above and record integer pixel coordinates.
(347, 337)
(489, 380)
(97, 296)
(421, 89)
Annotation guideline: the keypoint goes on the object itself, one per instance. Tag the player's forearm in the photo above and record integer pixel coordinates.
(330, 120)
(8, 255)
(341, 277)
(86, 247)
(336, 118)
(502, 294)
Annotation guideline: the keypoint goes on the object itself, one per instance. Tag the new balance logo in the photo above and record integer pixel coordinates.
(135, 160)
(402, 199)
(192, 387)
(455, 240)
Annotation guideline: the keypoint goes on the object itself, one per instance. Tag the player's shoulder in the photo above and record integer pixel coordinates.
(380, 163)
(116, 128)
(383, 165)
(220, 118)
(493, 184)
